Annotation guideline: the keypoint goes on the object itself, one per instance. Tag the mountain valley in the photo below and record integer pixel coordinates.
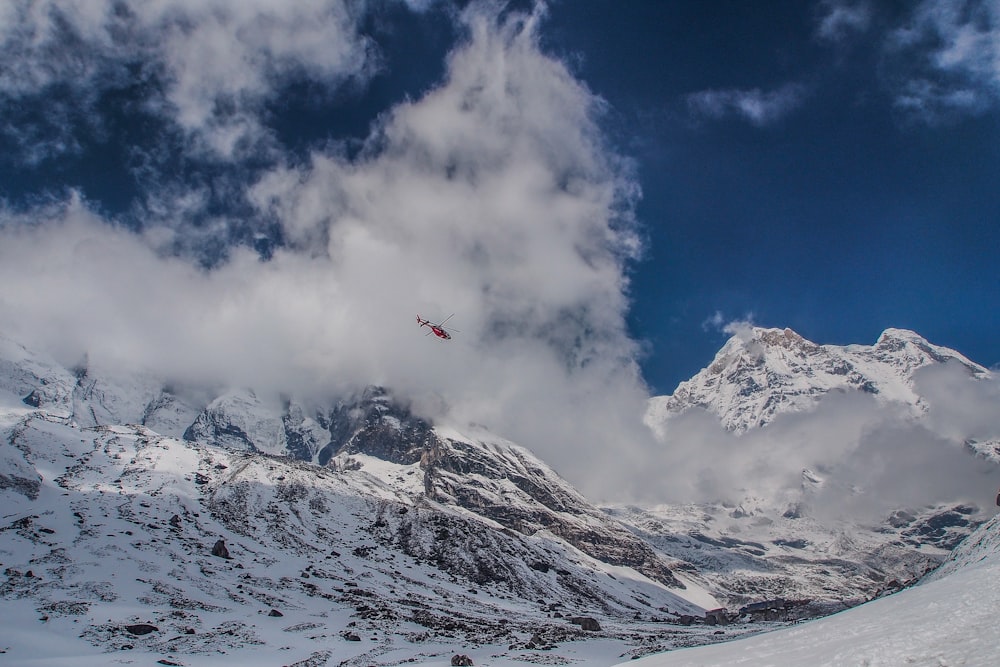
(148, 522)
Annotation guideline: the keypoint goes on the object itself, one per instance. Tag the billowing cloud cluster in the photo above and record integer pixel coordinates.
(853, 456)
(494, 197)
(209, 65)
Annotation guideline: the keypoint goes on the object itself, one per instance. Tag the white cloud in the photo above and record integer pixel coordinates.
(743, 328)
(872, 457)
(957, 407)
(714, 321)
(759, 107)
(493, 197)
(214, 61)
(945, 59)
(839, 20)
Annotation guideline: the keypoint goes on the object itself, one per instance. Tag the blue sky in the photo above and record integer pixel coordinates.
(852, 206)
(829, 166)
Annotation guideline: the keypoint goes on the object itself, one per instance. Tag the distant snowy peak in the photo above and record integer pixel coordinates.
(761, 373)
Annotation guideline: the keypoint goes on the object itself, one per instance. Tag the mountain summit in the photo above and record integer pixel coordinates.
(760, 373)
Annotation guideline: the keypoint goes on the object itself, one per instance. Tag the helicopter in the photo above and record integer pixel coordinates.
(438, 329)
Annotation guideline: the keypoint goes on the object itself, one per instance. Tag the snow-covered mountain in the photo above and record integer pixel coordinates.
(762, 387)
(187, 526)
(761, 373)
(355, 534)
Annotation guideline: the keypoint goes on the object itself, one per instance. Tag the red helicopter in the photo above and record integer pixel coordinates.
(439, 329)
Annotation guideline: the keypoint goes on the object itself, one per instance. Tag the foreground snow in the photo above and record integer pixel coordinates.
(951, 619)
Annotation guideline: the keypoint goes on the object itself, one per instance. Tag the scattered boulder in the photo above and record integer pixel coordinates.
(139, 629)
(718, 616)
(538, 643)
(351, 637)
(220, 550)
(586, 623)
(461, 660)
(275, 612)
(175, 521)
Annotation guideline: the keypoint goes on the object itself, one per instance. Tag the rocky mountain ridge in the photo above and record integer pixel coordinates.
(360, 520)
(492, 478)
(761, 373)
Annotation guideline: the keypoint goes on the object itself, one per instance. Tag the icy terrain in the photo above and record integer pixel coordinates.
(948, 619)
(144, 523)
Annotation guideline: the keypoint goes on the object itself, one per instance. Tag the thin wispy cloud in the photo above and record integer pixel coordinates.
(742, 327)
(756, 106)
(840, 20)
(944, 60)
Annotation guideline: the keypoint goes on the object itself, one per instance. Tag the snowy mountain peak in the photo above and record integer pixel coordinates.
(760, 373)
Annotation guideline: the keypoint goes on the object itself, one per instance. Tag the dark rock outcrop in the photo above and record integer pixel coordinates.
(507, 484)
(586, 623)
(375, 425)
(220, 550)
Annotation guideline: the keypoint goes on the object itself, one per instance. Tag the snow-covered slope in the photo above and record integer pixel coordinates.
(190, 526)
(812, 567)
(949, 619)
(762, 373)
(411, 541)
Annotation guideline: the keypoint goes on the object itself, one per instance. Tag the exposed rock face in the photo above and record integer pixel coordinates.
(509, 485)
(481, 473)
(369, 423)
(238, 420)
(374, 425)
